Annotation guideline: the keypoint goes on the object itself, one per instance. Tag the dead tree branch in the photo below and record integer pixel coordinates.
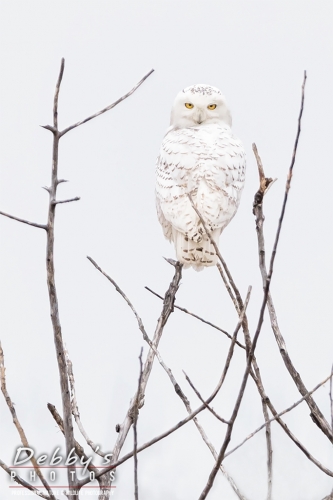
(75, 408)
(135, 432)
(278, 415)
(316, 415)
(40, 226)
(22, 482)
(63, 132)
(238, 303)
(17, 424)
(193, 414)
(104, 481)
(197, 317)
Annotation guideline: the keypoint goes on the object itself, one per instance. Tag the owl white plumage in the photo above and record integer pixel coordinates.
(199, 156)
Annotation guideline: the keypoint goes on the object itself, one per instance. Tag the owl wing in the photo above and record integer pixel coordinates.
(209, 163)
(174, 166)
(224, 166)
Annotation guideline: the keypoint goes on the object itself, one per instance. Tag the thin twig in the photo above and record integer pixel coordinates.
(238, 303)
(17, 424)
(40, 226)
(278, 415)
(22, 482)
(77, 198)
(331, 398)
(104, 481)
(75, 408)
(203, 401)
(135, 432)
(193, 414)
(63, 132)
(168, 307)
(197, 317)
(186, 402)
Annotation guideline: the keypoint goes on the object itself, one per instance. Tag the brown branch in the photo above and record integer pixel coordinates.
(331, 398)
(168, 307)
(53, 299)
(104, 481)
(203, 401)
(17, 424)
(278, 415)
(75, 408)
(22, 482)
(135, 432)
(189, 417)
(63, 132)
(316, 415)
(40, 226)
(197, 317)
(238, 303)
(186, 402)
(77, 198)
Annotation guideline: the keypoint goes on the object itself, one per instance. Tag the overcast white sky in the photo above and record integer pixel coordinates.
(255, 52)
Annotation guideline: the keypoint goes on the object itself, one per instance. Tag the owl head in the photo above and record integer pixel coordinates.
(199, 105)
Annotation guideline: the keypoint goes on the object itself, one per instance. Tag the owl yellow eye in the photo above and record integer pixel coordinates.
(211, 106)
(189, 105)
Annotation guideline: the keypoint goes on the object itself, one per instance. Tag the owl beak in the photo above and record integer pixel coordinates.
(200, 116)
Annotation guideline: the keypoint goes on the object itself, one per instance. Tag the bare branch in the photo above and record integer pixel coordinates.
(197, 317)
(193, 414)
(186, 402)
(75, 408)
(63, 132)
(135, 421)
(77, 198)
(22, 482)
(40, 226)
(278, 415)
(53, 299)
(316, 415)
(104, 481)
(56, 95)
(331, 399)
(17, 424)
(168, 305)
(202, 401)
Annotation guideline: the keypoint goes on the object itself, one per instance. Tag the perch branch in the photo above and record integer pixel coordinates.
(63, 132)
(238, 303)
(40, 226)
(168, 306)
(17, 424)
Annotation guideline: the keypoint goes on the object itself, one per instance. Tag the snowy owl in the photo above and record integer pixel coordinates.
(199, 156)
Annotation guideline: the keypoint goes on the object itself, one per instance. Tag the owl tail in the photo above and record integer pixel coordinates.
(198, 255)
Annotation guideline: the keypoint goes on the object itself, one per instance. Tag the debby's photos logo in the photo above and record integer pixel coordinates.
(54, 463)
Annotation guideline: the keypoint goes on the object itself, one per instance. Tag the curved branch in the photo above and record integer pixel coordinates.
(63, 132)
